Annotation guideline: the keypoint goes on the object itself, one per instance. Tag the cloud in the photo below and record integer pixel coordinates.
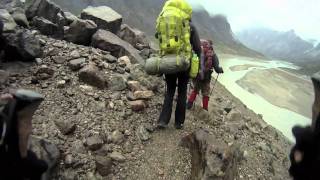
(282, 15)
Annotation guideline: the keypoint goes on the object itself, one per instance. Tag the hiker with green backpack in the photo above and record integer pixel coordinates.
(178, 39)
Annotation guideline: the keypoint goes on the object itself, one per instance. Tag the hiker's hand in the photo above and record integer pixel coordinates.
(220, 70)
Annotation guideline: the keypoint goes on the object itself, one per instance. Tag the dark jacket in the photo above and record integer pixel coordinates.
(195, 40)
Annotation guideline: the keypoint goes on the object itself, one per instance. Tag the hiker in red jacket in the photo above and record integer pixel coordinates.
(209, 61)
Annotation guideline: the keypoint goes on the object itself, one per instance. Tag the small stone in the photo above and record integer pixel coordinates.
(234, 115)
(59, 59)
(121, 70)
(78, 147)
(130, 96)
(137, 105)
(91, 75)
(117, 137)
(118, 83)
(118, 157)
(44, 73)
(110, 59)
(143, 134)
(104, 165)
(38, 61)
(61, 84)
(124, 61)
(76, 64)
(65, 127)
(135, 86)
(68, 160)
(94, 143)
(143, 94)
(75, 54)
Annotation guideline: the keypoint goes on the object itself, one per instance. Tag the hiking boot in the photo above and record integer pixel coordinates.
(178, 126)
(189, 105)
(162, 125)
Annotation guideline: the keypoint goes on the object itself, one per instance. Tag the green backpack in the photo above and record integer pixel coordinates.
(173, 29)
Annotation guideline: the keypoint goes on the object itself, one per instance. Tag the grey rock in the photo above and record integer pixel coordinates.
(104, 165)
(8, 21)
(145, 53)
(117, 137)
(78, 147)
(234, 115)
(44, 73)
(76, 64)
(46, 9)
(69, 175)
(134, 36)
(118, 83)
(59, 59)
(4, 77)
(68, 160)
(23, 45)
(143, 133)
(65, 127)
(108, 41)
(38, 61)
(45, 26)
(94, 143)
(118, 157)
(70, 18)
(90, 74)
(105, 17)
(81, 31)
(212, 158)
(75, 54)
(110, 59)
(47, 152)
(20, 18)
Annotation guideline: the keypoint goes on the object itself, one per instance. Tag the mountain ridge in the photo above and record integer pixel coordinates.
(213, 27)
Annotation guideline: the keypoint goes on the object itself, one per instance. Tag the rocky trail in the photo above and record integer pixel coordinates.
(100, 110)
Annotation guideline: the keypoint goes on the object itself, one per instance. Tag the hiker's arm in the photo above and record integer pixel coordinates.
(216, 67)
(195, 40)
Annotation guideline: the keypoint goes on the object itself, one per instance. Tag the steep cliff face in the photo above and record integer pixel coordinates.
(143, 13)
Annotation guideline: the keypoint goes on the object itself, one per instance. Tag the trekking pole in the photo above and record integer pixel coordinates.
(214, 84)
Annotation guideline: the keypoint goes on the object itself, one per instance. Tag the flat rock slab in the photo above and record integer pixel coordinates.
(108, 41)
(105, 17)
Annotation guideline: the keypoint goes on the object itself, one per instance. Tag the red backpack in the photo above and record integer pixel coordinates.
(208, 53)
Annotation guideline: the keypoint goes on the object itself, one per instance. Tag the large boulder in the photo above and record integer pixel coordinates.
(105, 17)
(8, 21)
(81, 31)
(212, 158)
(22, 45)
(45, 26)
(108, 41)
(47, 10)
(135, 37)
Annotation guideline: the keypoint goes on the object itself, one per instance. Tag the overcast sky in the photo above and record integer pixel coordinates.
(301, 15)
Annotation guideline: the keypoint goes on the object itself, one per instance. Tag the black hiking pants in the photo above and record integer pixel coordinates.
(171, 81)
